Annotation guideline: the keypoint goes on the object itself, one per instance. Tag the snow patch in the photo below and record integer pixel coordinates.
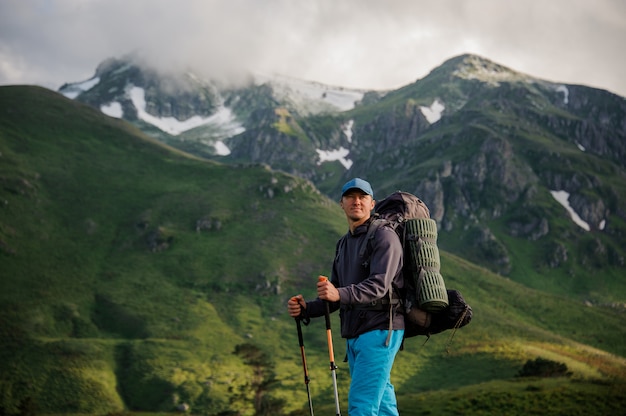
(74, 90)
(565, 91)
(301, 92)
(113, 109)
(341, 153)
(433, 113)
(221, 148)
(223, 118)
(581, 147)
(563, 198)
(333, 155)
(342, 99)
(226, 121)
(347, 130)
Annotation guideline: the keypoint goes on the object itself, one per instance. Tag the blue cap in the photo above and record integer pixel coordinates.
(357, 183)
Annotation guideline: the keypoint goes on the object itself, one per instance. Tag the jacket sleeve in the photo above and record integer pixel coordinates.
(316, 308)
(385, 266)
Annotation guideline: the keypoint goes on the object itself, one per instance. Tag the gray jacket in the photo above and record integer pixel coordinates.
(363, 280)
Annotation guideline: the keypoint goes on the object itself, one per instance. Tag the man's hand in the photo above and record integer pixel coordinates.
(295, 305)
(326, 290)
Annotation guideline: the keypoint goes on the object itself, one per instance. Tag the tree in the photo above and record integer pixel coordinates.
(263, 379)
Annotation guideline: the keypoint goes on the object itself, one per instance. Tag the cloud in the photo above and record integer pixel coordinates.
(352, 43)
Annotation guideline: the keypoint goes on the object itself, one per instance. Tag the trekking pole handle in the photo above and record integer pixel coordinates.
(327, 314)
(300, 339)
(331, 353)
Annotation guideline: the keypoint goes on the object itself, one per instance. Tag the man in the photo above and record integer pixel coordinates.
(362, 289)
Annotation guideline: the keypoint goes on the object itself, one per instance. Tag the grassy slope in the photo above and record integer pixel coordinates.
(83, 196)
(95, 321)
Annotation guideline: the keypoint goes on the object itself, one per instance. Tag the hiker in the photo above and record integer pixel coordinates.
(361, 289)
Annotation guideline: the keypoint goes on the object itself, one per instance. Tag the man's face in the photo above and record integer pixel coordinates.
(357, 205)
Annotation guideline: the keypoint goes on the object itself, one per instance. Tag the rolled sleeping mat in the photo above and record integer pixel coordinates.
(431, 288)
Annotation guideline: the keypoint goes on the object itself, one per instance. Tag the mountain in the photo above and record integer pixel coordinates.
(138, 279)
(197, 114)
(524, 176)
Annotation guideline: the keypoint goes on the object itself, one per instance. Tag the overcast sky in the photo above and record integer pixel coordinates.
(370, 44)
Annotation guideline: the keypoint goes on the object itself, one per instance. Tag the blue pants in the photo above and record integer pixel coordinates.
(370, 360)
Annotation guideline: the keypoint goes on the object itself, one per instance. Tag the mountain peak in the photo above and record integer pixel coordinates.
(469, 66)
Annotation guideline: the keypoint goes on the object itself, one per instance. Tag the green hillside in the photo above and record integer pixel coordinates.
(135, 278)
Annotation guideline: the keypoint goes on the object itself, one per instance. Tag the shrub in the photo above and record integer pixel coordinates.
(541, 367)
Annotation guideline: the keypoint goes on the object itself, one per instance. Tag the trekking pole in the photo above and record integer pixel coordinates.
(331, 354)
(304, 366)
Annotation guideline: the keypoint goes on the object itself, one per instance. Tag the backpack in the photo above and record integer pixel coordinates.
(428, 306)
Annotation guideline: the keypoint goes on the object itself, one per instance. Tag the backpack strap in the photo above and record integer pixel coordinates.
(376, 223)
(375, 305)
(340, 245)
